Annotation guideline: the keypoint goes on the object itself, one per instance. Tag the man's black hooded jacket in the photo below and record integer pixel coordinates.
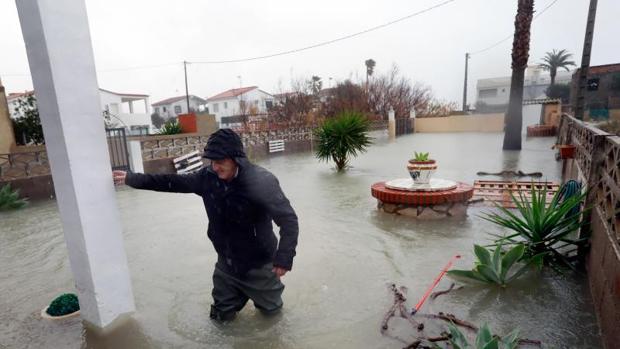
(240, 213)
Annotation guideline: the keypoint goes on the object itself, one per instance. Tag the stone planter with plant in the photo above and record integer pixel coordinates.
(64, 306)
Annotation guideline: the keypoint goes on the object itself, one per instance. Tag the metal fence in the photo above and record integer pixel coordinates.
(117, 147)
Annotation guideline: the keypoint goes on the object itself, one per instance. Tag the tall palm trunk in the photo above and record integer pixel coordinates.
(553, 73)
(520, 55)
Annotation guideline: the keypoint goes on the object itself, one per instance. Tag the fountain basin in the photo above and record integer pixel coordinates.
(440, 198)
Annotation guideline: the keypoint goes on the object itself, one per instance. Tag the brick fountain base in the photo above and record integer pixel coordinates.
(439, 199)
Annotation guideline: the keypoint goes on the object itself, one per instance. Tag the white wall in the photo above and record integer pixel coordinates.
(194, 104)
(254, 97)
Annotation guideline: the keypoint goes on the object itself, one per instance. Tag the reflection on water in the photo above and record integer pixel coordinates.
(335, 296)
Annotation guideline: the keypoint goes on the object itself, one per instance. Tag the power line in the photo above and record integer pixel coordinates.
(113, 70)
(329, 41)
(428, 9)
(511, 35)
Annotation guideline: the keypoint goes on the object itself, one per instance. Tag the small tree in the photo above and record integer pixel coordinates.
(157, 120)
(27, 126)
(342, 137)
(559, 91)
(555, 60)
(370, 69)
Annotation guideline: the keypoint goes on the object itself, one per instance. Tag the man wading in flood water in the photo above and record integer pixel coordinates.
(241, 200)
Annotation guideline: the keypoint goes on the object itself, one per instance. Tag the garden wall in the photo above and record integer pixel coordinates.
(597, 165)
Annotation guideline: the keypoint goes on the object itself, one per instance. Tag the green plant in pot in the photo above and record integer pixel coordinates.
(63, 306)
(421, 168)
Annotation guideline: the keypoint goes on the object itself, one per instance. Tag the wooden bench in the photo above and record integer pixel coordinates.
(276, 146)
(188, 163)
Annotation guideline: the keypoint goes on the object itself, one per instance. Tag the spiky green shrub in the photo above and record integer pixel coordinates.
(10, 200)
(420, 156)
(342, 137)
(484, 339)
(64, 304)
(171, 128)
(497, 268)
(542, 227)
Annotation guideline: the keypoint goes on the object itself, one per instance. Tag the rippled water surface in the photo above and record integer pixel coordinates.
(335, 296)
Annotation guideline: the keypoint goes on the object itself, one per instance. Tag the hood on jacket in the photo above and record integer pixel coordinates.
(222, 144)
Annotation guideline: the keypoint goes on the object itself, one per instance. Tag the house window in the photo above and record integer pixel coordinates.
(164, 109)
(488, 93)
(216, 108)
(269, 104)
(177, 109)
(156, 110)
(225, 105)
(256, 102)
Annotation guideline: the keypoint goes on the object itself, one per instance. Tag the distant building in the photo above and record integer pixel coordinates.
(602, 95)
(13, 102)
(172, 107)
(126, 110)
(229, 106)
(496, 91)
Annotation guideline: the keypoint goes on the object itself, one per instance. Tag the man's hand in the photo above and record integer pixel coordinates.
(119, 177)
(279, 271)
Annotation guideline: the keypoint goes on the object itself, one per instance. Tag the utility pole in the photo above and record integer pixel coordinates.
(585, 62)
(465, 83)
(186, 89)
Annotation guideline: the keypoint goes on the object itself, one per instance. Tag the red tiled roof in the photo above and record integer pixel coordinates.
(14, 95)
(234, 92)
(168, 101)
(173, 99)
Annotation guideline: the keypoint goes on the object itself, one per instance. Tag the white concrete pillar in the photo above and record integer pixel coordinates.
(135, 156)
(412, 116)
(391, 124)
(146, 106)
(58, 45)
(130, 107)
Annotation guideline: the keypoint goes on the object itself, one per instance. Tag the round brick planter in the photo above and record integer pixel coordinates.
(541, 131)
(423, 204)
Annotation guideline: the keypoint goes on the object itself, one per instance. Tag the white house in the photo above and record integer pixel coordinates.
(239, 101)
(127, 110)
(496, 91)
(172, 107)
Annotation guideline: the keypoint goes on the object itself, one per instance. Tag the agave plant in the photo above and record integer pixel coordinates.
(542, 227)
(171, 128)
(420, 156)
(343, 136)
(10, 200)
(497, 268)
(484, 339)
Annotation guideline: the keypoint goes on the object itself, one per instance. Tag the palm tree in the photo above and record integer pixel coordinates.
(555, 60)
(520, 55)
(370, 68)
(342, 137)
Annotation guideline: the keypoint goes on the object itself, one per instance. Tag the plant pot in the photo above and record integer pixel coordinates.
(47, 316)
(567, 151)
(421, 171)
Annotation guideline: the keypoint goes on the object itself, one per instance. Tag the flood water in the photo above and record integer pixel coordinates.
(336, 295)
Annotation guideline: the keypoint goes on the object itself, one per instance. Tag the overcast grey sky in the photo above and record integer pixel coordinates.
(428, 48)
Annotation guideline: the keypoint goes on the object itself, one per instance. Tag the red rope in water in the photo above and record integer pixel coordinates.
(437, 279)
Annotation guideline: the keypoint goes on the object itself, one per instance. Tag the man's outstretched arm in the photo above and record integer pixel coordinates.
(172, 183)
